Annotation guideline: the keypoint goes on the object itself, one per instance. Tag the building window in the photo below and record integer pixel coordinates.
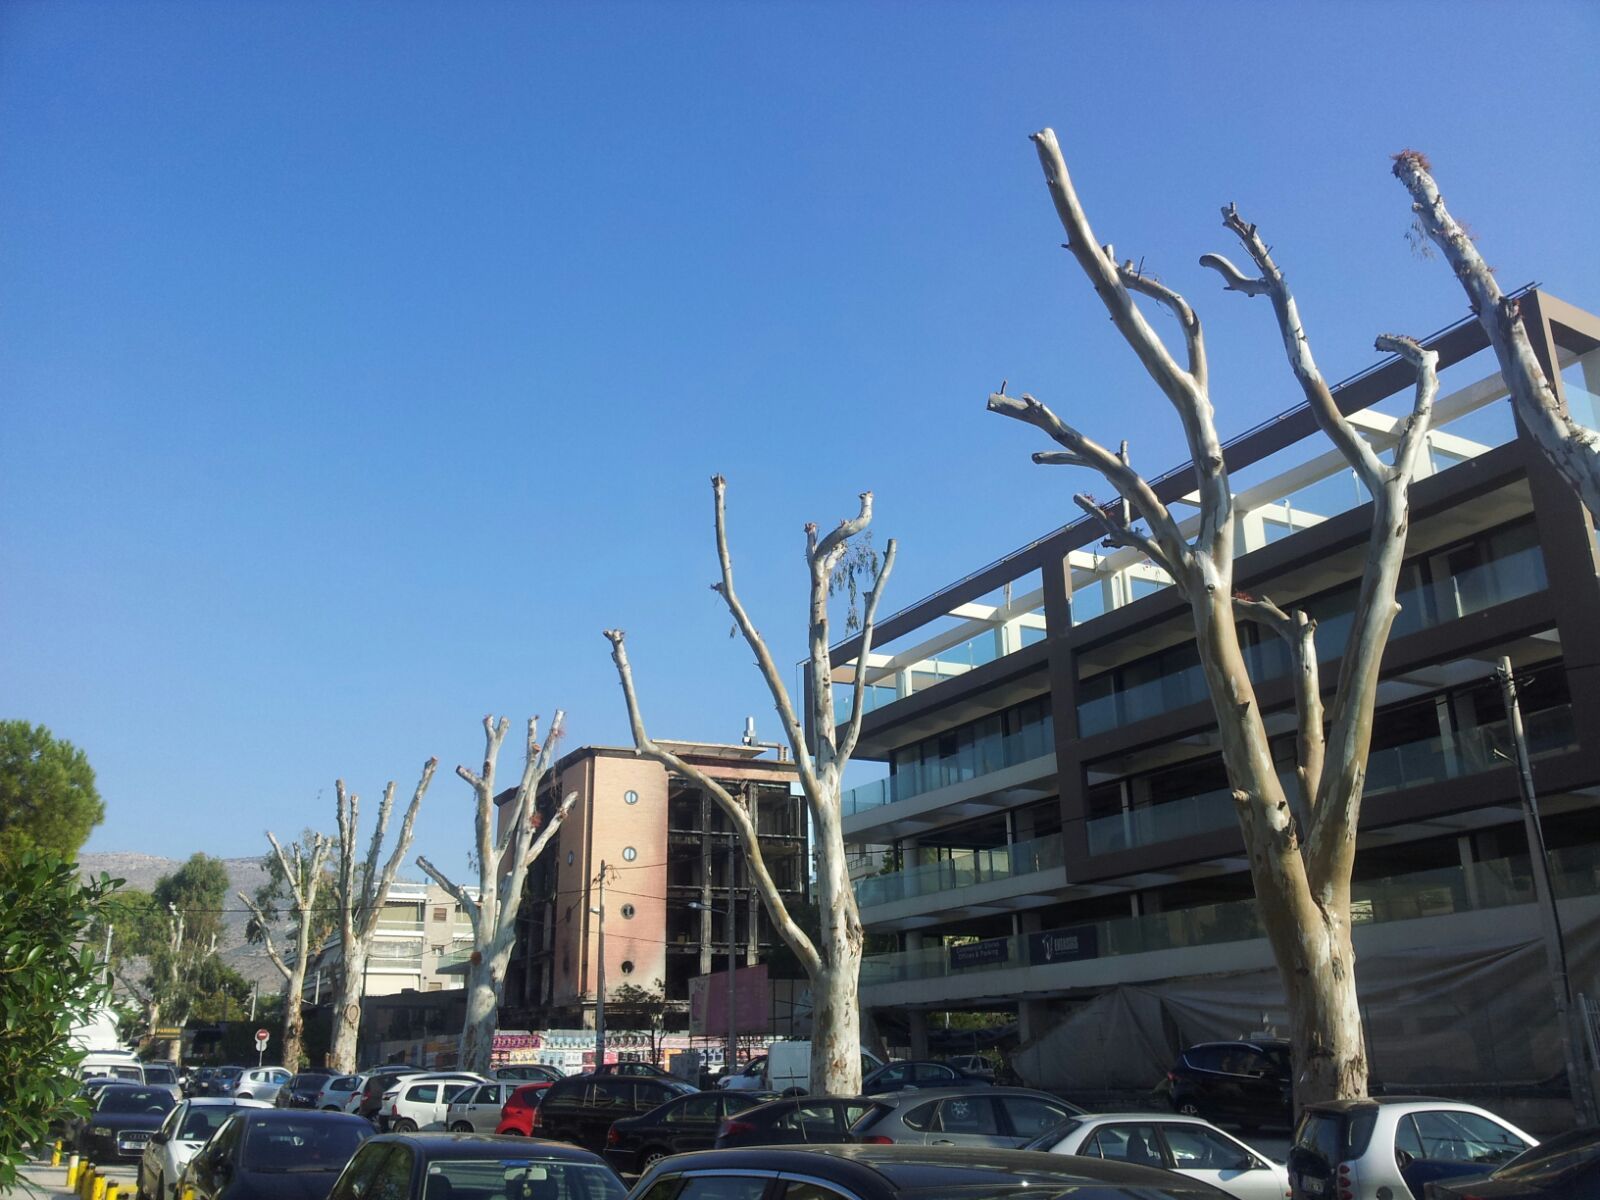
(441, 914)
(630, 797)
(627, 966)
(627, 912)
(629, 854)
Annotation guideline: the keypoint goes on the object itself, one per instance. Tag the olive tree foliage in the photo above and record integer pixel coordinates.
(50, 980)
(502, 861)
(1572, 449)
(1300, 841)
(832, 957)
(296, 887)
(48, 799)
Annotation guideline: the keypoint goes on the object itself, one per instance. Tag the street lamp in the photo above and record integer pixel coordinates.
(733, 962)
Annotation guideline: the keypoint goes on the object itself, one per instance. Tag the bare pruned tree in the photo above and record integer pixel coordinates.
(361, 891)
(1572, 449)
(1301, 851)
(503, 864)
(302, 868)
(833, 962)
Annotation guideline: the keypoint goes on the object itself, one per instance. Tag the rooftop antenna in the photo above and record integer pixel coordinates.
(750, 739)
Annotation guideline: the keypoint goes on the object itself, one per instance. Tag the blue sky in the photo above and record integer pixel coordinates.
(362, 362)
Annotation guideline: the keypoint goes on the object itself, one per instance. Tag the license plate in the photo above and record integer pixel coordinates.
(1313, 1187)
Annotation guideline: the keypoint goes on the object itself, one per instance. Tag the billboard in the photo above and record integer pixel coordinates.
(708, 1001)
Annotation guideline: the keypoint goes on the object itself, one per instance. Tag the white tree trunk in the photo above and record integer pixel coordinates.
(1301, 856)
(832, 963)
(347, 1010)
(486, 986)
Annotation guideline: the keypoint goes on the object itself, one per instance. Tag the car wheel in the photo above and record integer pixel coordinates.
(461, 1127)
(650, 1158)
(405, 1125)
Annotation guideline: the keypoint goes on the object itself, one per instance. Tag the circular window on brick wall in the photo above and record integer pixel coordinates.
(630, 797)
(627, 966)
(627, 912)
(629, 854)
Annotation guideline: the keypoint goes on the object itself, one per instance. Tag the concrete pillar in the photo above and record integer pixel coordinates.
(1033, 1020)
(918, 1022)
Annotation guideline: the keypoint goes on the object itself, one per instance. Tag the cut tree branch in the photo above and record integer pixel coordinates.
(266, 934)
(869, 615)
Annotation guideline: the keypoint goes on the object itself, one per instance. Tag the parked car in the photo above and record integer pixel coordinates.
(89, 1090)
(529, 1073)
(906, 1172)
(477, 1109)
(516, 1115)
(195, 1085)
(421, 1101)
(275, 1154)
(379, 1081)
(649, 1070)
(336, 1092)
(1392, 1146)
(972, 1064)
(1247, 1083)
(797, 1120)
(223, 1080)
(441, 1166)
(900, 1076)
(789, 1067)
(259, 1083)
(752, 1077)
(172, 1147)
(1567, 1167)
(683, 1123)
(302, 1090)
(1000, 1117)
(1187, 1145)
(581, 1108)
(158, 1074)
(124, 1117)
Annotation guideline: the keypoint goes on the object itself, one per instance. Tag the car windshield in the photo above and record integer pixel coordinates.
(1050, 1137)
(202, 1120)
(302, 1146)
(135, 1100)
(522, 1178)
(160, 1075)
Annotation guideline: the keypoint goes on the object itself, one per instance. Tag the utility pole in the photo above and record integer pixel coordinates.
(256, 995)
(733, 959)
(1550, 917)
(600, 976)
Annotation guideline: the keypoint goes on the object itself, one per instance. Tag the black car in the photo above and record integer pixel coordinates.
(1247, 1083)
(581, 1108)
(465, 1166)
(124, 1117)
(799, 1120)
(276, 1154)
(900, 1172)
(199, 1079)
(1567, 1167)
(685, 1123)
(899, 1076)
(649, 1070)
(303, 1089)
(223, 1080)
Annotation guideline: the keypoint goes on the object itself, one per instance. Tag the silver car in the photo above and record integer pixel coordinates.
(1186, 1145)
(260, 1083)
(1000, 1117)
(477, 1110)
(334, 1095)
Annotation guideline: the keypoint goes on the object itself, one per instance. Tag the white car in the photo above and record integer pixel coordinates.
(179, 1139)
(477, 1109)
(1186, 1145)
(336, 1092)
(260, 1083)
(1390, 1148)
(752, 1077)
(423, 1101)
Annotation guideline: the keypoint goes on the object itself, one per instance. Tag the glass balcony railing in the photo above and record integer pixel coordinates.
(1497, 883)
(964, 868)
(981, 757)
(1393, 768)
(1464, 592)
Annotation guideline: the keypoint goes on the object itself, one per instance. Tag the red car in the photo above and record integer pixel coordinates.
(516, 1115)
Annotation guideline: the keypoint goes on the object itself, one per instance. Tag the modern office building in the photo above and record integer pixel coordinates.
(420, 933)
(1055, 803)
(676, 885)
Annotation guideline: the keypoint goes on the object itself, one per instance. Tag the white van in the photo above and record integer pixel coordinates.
(118, 1064)
(789, 1067)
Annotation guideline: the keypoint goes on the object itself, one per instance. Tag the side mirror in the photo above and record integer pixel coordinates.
(159, 1138)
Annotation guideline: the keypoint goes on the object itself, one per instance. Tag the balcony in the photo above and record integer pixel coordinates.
(983, 757)
(1483, 886)
(965, 868)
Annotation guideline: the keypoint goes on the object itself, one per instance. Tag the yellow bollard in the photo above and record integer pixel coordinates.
(85, 1182)
(111, 1190)
(99, 1190)
(72, 1173)
(55, 1154)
